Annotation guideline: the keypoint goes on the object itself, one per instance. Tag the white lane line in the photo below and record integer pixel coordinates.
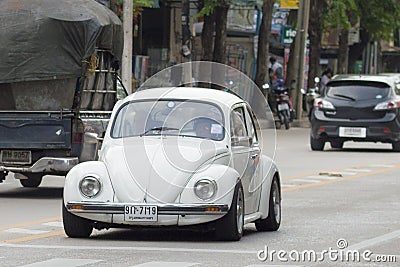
(62, 263)
(382, 166)
(25, 231)
(374, 241)
(358, 170)
(159, 249)
(306, 180)
(287, 185)
(166, 264)
(323, 177)
(53, 224)
(347, 173)
(260, 265)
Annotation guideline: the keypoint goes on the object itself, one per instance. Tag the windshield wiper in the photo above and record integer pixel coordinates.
(160, 129)
(345, 96)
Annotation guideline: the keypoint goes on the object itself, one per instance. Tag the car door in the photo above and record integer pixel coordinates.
(241, 151)
(256, 178)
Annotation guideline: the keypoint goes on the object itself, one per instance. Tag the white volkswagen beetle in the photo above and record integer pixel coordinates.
(176, 157)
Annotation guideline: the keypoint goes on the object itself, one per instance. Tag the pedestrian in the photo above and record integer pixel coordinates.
(276, 67)
(325, 78)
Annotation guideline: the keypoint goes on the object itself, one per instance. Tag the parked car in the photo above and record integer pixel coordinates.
(357, 108)
(176, 157)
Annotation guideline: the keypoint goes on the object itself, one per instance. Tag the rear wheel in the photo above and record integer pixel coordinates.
(286, 120)
(34, 180)
(396, 146)
(337, 144)
(230, 227)
(273, 221)
(317, 144)
(75, 226)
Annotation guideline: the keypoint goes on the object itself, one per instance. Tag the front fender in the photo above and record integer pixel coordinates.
(268, 171)
(225, 177)
(90, 168)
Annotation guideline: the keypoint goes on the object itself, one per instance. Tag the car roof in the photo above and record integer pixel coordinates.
(184, 93)
(388, 78)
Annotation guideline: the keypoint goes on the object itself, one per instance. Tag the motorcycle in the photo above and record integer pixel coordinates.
(283, 106)
(310, 96)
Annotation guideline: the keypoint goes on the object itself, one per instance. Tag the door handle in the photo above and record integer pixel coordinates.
(253, 156)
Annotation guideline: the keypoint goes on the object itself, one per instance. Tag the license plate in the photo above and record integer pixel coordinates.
(352, 132)
(141, 213)
(16, 156)
(284, 106)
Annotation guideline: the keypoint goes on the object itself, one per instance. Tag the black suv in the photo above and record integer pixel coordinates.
(357, 108)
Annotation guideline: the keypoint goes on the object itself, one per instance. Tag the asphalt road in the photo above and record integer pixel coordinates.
(338, 204)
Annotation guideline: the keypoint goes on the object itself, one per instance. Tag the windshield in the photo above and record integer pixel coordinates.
(169, 117)
(358, 91)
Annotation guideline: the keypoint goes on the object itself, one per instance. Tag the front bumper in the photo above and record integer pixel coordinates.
(45, 165)
(163, 209)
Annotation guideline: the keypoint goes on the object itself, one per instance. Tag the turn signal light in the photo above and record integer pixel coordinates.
(213, 209)
(77, 207)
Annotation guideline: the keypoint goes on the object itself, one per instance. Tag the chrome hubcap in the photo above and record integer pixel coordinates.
(276, 202)
(239, 211)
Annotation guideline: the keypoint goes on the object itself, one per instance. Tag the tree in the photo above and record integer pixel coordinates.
(263, 43)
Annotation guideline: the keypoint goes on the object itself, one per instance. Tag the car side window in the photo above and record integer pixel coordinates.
(250, 119)
(238, 125)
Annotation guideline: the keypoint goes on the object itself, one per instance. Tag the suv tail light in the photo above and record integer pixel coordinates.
(323, 104)
(387, 105)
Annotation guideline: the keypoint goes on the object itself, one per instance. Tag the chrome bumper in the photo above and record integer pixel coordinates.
(46, 164)
(163, 209)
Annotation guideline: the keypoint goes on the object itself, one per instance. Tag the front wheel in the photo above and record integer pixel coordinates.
(230, 227)
(273, 221)
(34, 180)
(75, 226)
(317, 144)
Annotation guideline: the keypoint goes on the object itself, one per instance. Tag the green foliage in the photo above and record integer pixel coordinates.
(209, 6)
(379, 18)
(138, 3)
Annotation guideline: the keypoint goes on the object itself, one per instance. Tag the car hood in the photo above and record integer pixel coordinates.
(156, 169)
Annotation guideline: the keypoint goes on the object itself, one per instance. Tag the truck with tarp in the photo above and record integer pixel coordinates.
(58, 84)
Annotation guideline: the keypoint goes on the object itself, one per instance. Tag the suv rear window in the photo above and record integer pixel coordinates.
(357, 90)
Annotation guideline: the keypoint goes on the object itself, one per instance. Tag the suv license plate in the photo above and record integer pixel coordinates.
(16, 156)
(140, 213)
(352, 132)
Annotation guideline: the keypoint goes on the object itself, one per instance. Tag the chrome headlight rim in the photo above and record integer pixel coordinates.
(90, 178)
(209, 182)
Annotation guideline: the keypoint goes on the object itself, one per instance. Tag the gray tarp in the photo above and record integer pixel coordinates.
(49, 39)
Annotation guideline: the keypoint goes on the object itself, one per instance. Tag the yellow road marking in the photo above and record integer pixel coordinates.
(30, 223)
(340, 179)
(31, 238)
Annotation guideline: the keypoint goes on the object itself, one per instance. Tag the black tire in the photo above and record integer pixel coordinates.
(230, 227)
(286, 120)
(396, 146)
(273, 221)
(336, 144)
(74, 226)
(317, 144)
(34, 180)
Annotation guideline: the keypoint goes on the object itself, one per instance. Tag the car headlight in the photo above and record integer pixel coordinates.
(205, 189)
(90, 186)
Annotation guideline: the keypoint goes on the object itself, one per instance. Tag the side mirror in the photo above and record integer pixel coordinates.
(241, 141)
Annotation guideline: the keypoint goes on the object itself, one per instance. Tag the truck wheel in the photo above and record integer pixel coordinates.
(34, 180)
(230, 227)
(273, 221)
(74, 226)
(286, 120)
(317, 144)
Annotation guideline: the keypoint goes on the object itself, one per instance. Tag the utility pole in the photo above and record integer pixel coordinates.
(299, 50)
(126, 69)
(186, 49)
